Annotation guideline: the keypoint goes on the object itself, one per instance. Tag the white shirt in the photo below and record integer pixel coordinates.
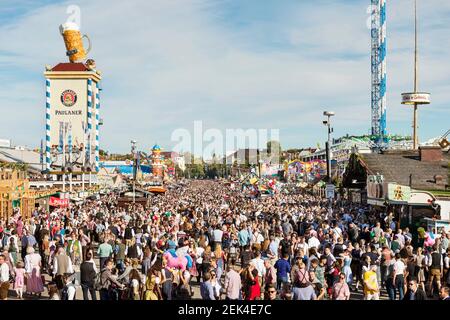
(399, 267)
(218, 235)
(447, 262)
(71, 292)
(303, 246)
(257, 238)
(259, 265)
(338, 231)
(199, 252)
(313, 242)
(4, 272)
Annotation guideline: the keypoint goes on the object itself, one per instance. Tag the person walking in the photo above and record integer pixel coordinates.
(371, 288)
(104, 252)
(341, 291)
(108, 281)
(206, 288)
(61, 265)
(33, 266)
(283, 269)
(414, 292)
(302, 289)
(395, 280)
(19, 279)
(4, 278)
(233, 284)
(436, 266)
(88, 272)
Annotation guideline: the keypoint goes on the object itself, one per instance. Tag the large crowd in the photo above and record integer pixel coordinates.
(217, 238)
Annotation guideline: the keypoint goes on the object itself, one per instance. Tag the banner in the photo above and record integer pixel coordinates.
(68, 104)
(57, 202)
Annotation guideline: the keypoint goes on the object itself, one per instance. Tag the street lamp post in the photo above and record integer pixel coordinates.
(133, 153)
(327, 122)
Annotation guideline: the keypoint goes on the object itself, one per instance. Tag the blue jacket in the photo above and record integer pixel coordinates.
(283, 268)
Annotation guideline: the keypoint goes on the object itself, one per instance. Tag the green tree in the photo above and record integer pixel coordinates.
(354, 171)
(179, 173)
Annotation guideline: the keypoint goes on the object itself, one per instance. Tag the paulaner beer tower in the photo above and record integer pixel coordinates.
(72, 111)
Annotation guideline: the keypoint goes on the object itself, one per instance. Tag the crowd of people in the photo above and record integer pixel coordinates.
(208, 239)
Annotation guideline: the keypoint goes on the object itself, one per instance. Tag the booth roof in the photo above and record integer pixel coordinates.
(70, 67)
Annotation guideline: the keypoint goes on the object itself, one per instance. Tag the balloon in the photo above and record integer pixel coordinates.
(421, 232)
(189, 261)
(173, 261)
(429, 239)
(173, 253)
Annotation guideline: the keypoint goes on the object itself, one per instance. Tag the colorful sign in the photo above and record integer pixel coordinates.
(57, 202)
(312, 169)
(68, 98)
(399, 193)
(416, 98)
(71, 103)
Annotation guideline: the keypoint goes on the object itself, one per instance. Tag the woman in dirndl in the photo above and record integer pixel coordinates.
(33, 265)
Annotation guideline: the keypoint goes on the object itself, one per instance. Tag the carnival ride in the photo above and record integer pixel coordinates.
(308, 171)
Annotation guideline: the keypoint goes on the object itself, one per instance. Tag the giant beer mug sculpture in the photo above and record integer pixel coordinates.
(74, 42)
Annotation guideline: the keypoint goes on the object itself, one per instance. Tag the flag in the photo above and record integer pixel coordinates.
(42, 152)
(61, 142)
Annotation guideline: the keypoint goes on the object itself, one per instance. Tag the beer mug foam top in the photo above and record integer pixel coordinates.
(74, 42)
(69, 26)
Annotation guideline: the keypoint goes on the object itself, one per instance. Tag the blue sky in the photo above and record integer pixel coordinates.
(272, 64)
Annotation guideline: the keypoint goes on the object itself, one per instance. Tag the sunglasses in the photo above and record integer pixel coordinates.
(272, 291)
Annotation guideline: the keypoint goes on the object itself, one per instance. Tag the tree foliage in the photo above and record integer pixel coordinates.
(354, 171)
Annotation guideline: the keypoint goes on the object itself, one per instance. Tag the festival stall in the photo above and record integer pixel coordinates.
(309, 171)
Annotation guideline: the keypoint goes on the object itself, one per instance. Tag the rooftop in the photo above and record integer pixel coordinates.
(13, 155)
(70, 67)
(398, 165)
